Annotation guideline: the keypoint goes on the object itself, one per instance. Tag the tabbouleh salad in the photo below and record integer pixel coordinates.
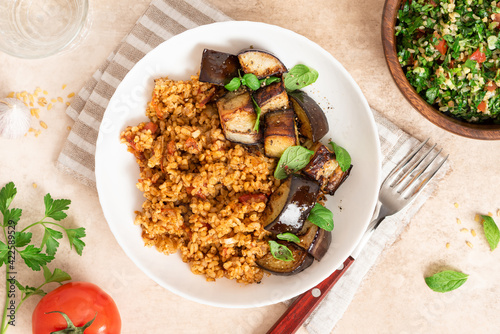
(450, 52)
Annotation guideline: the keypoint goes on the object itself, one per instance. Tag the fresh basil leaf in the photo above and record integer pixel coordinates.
(445, 281)
(251, 81)
(292, 160)
(321, 216)
(233, 85)
(258, 111)
(491, 231)
(7, 195)
(342, 156)
(299, 77)
(268, 81)
(22, 239)
(280, 252)
(34, 258)
(288, 237)
(55, 208)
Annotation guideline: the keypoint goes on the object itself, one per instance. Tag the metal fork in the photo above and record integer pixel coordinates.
(399, 189)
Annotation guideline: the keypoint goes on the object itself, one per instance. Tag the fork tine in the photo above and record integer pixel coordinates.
(406, 160)
(413, 167)
(418, 188)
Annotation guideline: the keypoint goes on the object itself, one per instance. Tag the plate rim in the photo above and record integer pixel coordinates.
(377, 171)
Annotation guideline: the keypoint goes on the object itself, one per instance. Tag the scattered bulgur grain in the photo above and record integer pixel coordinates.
(60, 99)
(490, 214)
(45, 92)
(498, 213)
(464, 230)
(69, 128)
(469, 244)
(447, 245)
(477, 218)
(53, 100)
(18, 96)
(64, 86)
(35, 185)
(70, 95)
(37, 90)
(32, 98)
(43, 124)
(11, 95)
(473, 232)
(32, 112)
(24, 94)
(67, 103)
(459, 221)
(31, 130)
(31, 104)
(49, 106)
(456, 205)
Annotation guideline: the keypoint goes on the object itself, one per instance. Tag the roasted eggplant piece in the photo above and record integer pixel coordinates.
(313, 122)
(289, 206)
(301, 260)
(218, 67)
(271, 97)
(261, 63)
(280, 132)
(315, 240)
(324, 168)
(237, 117)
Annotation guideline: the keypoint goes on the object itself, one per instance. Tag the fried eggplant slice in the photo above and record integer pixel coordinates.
(301, 260)
(324, 168)
(271, 97)
(261, 63)
(237, 117)
(313, 121)
(315, 240)
(218, 67)
(289, 206)
(280, 132)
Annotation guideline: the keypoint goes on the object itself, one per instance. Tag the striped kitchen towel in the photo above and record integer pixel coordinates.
(162, 20)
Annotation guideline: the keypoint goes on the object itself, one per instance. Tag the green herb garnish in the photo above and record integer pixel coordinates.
(293, 159)
(280, 252)
(35, 257)
(491, 231)
(268, 81)
(258, 111)
(299, 77)
(234, 84)
(322, 217)
(445, 281)
(288, 237)
(251, 81)
(342, 156)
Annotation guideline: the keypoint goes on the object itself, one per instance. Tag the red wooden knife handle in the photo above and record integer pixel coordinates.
(304, 304)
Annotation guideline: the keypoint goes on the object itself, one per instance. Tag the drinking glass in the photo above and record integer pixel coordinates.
(40, 28)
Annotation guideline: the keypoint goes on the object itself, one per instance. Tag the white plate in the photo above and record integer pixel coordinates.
(351, 126)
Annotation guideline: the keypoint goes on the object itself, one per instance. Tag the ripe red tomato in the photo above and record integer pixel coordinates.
(80, 301)
(478, 56)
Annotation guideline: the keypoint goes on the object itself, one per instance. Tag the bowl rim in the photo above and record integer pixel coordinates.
(462, 128)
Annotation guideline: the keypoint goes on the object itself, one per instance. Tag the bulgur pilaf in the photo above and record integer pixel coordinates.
(204, 194)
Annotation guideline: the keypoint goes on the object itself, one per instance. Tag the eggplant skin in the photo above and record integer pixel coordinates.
(237, 117)
(218, 67)
(301, 260)
(315, 240)
(279, 132)
(324, 168)
(289, 206)
(271, 97)
(313, 121)
(261, 63)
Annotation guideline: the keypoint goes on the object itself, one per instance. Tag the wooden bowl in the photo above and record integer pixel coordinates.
(462, 128)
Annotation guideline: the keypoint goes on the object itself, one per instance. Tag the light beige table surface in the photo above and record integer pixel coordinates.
(392, 299)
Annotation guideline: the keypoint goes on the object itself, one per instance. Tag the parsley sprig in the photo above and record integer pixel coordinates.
(36, 257)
